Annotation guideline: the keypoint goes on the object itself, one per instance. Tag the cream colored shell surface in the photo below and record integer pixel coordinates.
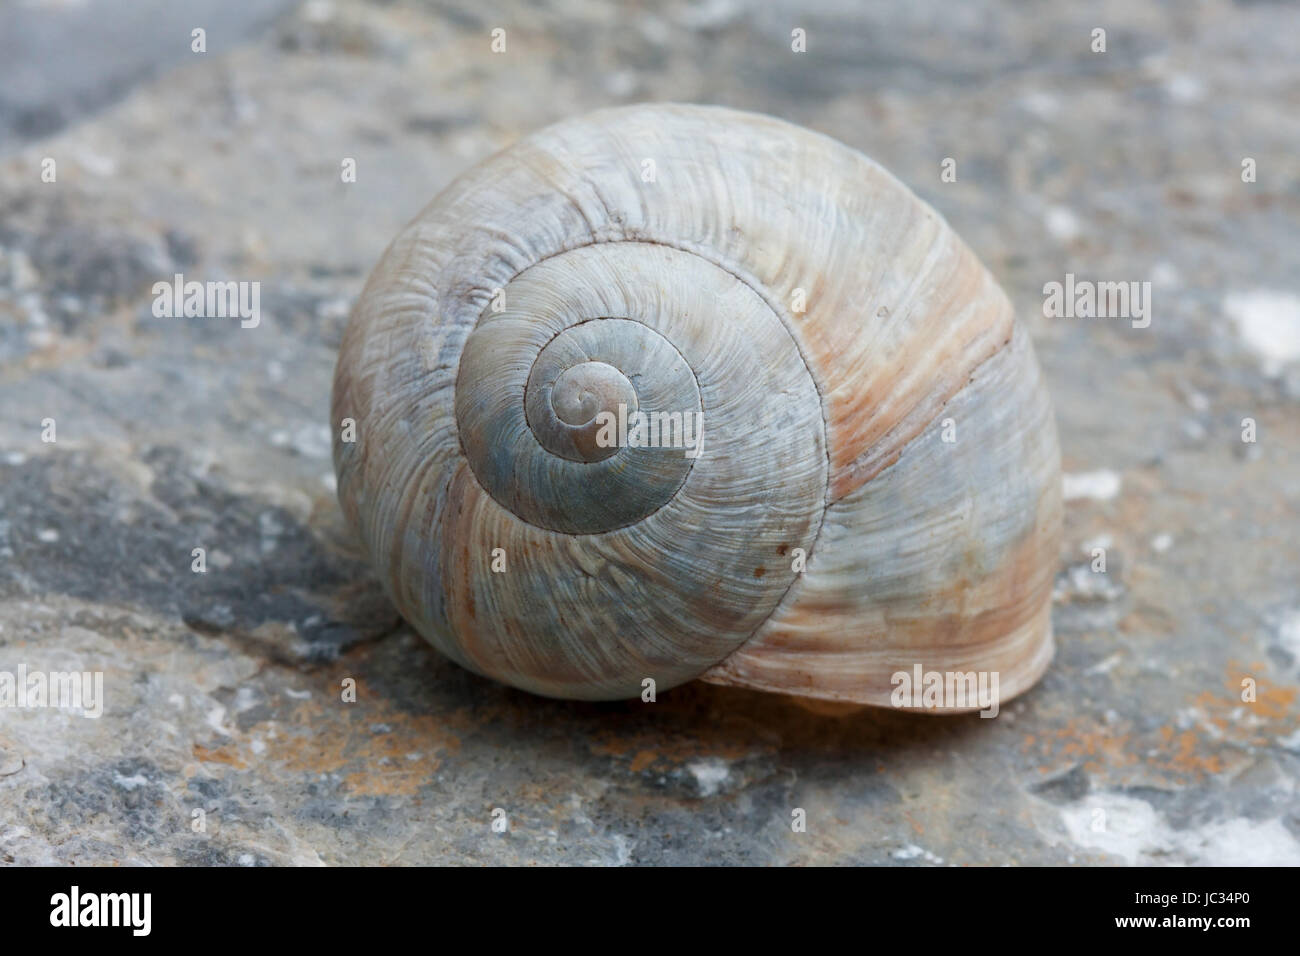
(821, 322)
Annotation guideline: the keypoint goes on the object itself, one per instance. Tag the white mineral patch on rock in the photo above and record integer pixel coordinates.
(1268, 323)
(1133, 830)
(1288, 632)
(914, 852)
(709, 775)
(1101, 485)
(1062, 223)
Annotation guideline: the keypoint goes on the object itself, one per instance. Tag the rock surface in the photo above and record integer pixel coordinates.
(223, 690)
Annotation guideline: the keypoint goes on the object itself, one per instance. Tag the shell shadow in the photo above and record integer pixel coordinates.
(693, 721)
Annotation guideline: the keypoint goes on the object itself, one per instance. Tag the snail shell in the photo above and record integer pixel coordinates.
(826, 327)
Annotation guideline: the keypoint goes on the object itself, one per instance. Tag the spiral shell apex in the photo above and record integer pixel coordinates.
(671, 392)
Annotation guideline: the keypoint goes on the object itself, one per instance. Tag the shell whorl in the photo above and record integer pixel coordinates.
(553, 287)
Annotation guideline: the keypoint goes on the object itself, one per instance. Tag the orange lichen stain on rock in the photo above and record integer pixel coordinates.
(1190, 757)
(1250, 722)
(335, 740)
(1272, 702)
(610, 745)
(1146, 621)
(642, 760)
(1176, 754)
(675, 749)
(1212, 745)
(218, 755)
(1099, 750)
(916, 827)
(1080, 738)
